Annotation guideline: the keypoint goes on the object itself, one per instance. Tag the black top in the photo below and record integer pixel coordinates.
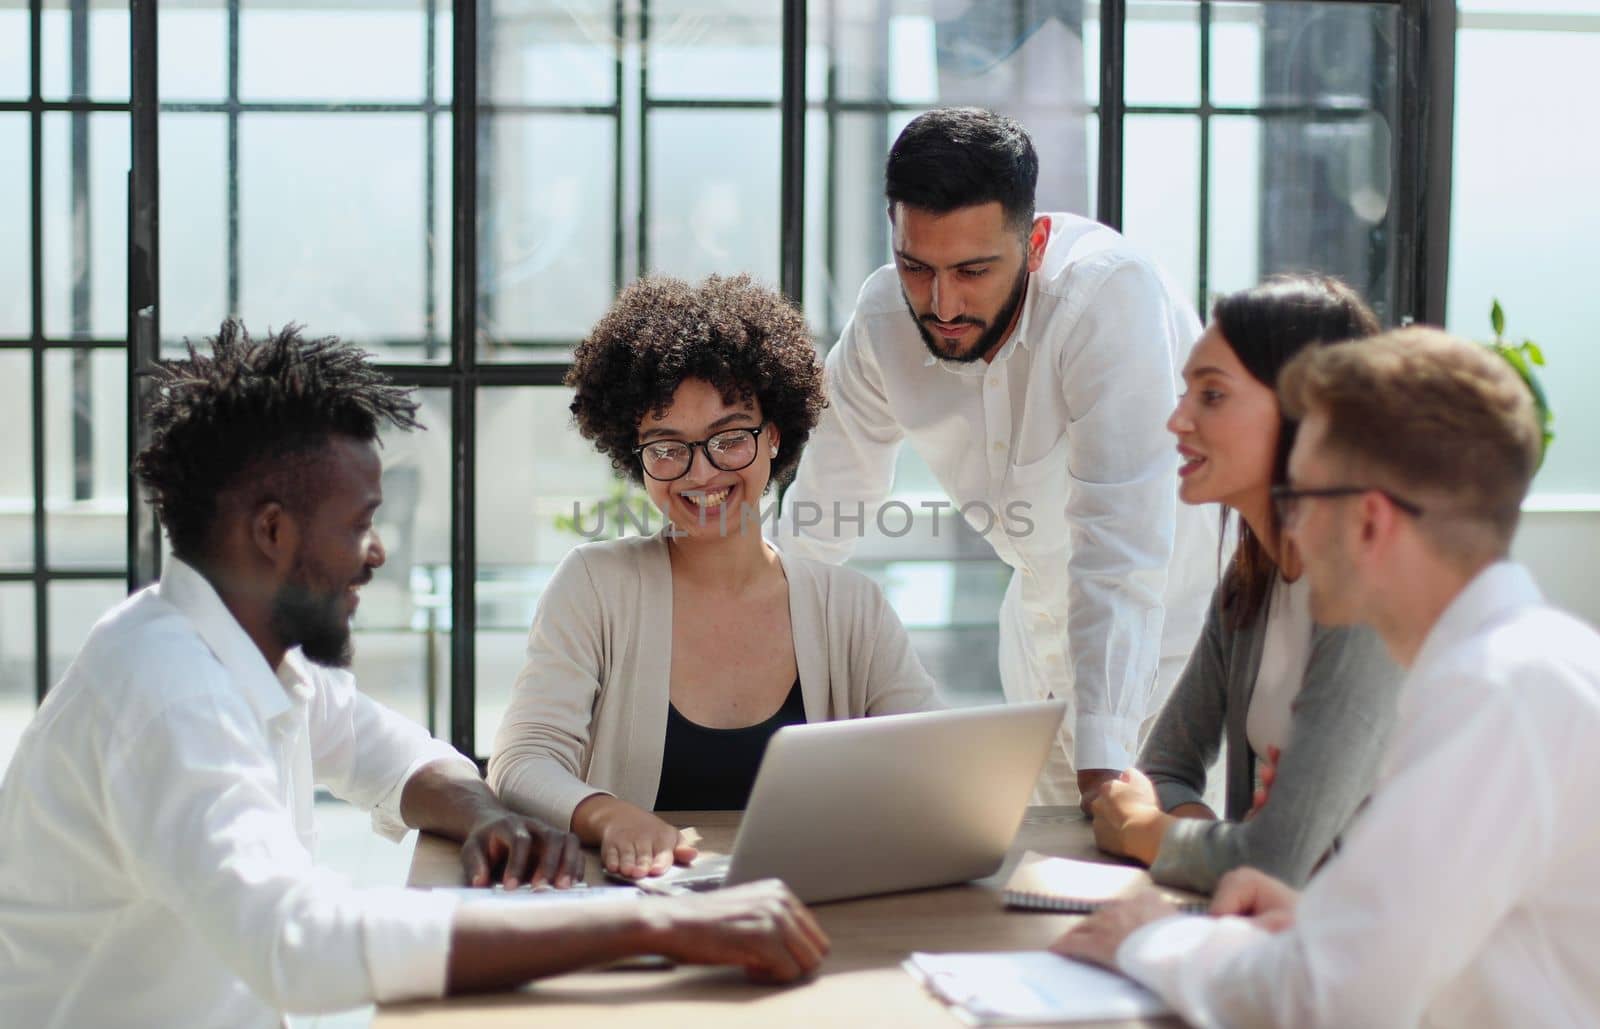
(705, 769)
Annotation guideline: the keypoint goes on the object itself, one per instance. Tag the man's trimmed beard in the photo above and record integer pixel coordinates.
(992, 332)
(316, 622)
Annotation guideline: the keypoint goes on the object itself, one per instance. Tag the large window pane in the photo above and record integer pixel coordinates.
(84, 55)
(548, 52)
(1235, 222)
(1326, 200)
(1161, 192)
(16, 460)
(192, 53)
(847, 233)
(708, 213)
(1523, 212)
(16, 666)
(330, 237)
(1163, 54)
(716, 49)
(547, 243)
(542, 473)
(16, 52)
(314, 51)
(16, 227)
(402, 631)
(74, 608)
(1338, 53)
(194, 226)
(1236, 54)
(86, 464)
(86, 161)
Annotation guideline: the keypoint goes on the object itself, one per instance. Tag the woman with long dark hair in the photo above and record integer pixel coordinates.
(1308, 705)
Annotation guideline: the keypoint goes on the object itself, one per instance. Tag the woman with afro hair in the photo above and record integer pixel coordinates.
(659, 666)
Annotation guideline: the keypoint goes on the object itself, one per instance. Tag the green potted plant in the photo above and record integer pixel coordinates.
(1523, 357)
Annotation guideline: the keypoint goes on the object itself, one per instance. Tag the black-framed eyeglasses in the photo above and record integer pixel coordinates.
(667, 459)
(1286, 499)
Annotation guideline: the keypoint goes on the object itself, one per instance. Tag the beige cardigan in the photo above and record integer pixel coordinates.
(588, 713)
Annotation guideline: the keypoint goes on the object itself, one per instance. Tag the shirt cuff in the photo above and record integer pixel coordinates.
(1157, 946)
(386, 819)
(1104, 741)
(407, 939)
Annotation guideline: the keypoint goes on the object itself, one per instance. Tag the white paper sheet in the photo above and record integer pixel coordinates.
(1030, 987)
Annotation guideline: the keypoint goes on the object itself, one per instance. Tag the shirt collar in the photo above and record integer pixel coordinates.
(191, 593)
(1498, 590)
(1021, 336)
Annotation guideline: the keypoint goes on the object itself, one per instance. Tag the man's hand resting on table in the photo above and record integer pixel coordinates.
(516, 849)
(1128, 820)
(760, 926)
(632, 842)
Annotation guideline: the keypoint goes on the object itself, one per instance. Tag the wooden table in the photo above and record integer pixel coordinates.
(860, 983)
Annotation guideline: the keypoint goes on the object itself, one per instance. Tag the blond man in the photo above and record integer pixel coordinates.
(1466, 893)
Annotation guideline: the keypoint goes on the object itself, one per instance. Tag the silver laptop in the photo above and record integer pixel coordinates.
(874, 805)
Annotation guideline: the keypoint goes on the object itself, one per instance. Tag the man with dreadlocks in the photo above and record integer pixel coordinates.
(156, 867)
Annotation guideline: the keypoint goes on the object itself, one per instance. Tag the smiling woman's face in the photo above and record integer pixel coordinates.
(1227, 428)
(707, 500)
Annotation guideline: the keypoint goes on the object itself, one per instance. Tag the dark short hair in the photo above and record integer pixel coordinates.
(1266, 326)
(747, 341)
(254, 412)
(1434, 418)
(955, 157)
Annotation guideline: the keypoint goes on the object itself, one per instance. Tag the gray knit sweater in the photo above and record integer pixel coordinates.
(1341, 719)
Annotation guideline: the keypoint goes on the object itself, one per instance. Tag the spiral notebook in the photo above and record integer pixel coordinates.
(1043, 883)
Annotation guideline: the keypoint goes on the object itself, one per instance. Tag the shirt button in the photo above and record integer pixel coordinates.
(1000, 447)
(993, 383)
(1054, 661)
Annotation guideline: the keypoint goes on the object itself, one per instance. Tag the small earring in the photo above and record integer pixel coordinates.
(774, 451)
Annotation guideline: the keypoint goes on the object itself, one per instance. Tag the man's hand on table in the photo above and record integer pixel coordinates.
(1097, 937)
(1128, 820)
(517, 849)
(1090, 780)
(761, 927)
(632, 842)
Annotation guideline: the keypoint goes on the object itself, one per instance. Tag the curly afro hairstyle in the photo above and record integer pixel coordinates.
(744, 339)
(254, 414)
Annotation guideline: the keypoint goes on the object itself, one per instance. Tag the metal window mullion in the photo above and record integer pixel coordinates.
(643, 246)
(1436, 126)
(1108, 208)
(232, 170)
(830, 205)
(1203, 257)
(41, 605)
(430, 173)
(463, 398)
(792, 186)
(144, 280)
(618, 131)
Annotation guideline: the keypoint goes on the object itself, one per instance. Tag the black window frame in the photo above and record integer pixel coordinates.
(1426, 73)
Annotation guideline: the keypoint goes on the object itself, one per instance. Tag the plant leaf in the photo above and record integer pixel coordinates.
(1497, 318)
(1534, 353)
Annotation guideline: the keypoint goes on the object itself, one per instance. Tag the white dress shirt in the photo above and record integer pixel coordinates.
(1468, 892)
(1069, 421)
(157, 824)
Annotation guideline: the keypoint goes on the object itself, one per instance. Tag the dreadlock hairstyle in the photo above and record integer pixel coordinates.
(253, 415)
